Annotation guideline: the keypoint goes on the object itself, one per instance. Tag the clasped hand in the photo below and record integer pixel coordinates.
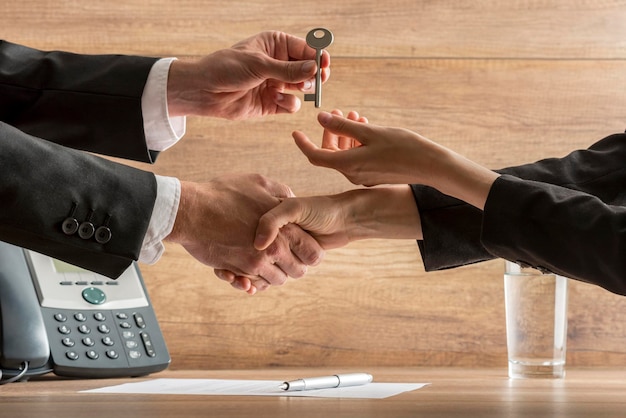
(216, 223)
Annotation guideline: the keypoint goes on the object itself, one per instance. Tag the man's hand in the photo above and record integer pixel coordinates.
(216, 223)
(247, 80)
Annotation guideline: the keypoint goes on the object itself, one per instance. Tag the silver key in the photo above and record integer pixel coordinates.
(318, 39)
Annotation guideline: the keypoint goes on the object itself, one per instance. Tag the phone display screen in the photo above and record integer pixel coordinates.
(63, 267)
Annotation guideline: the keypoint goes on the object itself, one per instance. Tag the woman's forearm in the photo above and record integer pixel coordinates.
(459, 177)
(386, 212)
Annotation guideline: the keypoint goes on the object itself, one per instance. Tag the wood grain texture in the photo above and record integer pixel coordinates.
(502, 82)
(452, 392)
(395, 28)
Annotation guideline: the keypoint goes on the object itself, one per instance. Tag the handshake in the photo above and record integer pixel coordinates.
(256, 233)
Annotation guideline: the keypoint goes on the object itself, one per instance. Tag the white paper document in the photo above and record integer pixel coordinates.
(255, 388)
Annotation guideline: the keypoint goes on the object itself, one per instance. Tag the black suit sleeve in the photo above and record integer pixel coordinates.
(44, 183)
(557, 229)
(85, 102)
(561, 214)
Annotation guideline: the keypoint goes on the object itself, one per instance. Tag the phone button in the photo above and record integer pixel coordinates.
(72, 355)
(104, 329)
(84, 329)
(141, 323)
(60, 317)
(94, 296)
(92, 354)
(68, 342)
(147, 344)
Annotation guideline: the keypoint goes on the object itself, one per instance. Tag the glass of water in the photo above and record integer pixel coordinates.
(536, 322)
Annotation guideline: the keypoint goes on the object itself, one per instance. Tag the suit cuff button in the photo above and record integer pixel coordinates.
(69, 226)
(103, 235)
(86, 230)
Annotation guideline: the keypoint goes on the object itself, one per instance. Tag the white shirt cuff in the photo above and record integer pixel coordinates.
(161, 131)
(162, 220)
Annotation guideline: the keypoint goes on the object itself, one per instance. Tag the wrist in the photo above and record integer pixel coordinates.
(182, 220)
(383, 213)
(162, 219)
(465, 179)
(183, 93)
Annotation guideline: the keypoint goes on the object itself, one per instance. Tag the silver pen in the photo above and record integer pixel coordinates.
(328, 382)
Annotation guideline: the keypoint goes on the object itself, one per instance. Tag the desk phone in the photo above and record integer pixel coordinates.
(61, 318)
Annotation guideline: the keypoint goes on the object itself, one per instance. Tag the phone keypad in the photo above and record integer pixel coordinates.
(93, 335)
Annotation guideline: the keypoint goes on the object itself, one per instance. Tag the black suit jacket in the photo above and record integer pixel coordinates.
(51, 102)
(565, 215)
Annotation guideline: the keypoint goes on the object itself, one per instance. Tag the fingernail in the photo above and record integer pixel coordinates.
(324, 118)
(308, 67)
(308, 85)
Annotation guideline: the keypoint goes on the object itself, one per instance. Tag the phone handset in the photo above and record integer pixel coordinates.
(24, 347)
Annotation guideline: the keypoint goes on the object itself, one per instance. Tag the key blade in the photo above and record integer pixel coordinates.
(317, 98)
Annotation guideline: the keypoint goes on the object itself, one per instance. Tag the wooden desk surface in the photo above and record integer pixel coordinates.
(453, 392)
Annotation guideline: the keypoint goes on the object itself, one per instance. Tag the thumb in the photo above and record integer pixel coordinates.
(270, 223)
(276, 189)
(291, 71)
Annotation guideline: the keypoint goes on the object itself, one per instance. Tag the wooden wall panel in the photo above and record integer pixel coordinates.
(501, 82)
(393, 28)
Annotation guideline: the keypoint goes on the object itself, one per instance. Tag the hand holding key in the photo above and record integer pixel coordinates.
(252, 78)
(318, 39)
